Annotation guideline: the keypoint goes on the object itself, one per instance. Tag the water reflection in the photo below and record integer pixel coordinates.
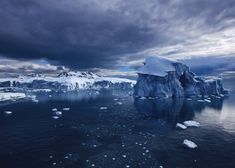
(174, 110)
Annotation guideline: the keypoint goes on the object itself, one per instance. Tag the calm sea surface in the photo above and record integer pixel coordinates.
(129, 133)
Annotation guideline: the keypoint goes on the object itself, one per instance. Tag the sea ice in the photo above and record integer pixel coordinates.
(189, 144)
(58, 113)
(179, 125)
(191, 123)
(206, 100)
(7, 112)
(55, 117)
(6, 96)
(103, 108)
(54, 109)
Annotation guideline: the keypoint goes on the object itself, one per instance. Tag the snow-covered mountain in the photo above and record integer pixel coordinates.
(66, 81)
(161, 77)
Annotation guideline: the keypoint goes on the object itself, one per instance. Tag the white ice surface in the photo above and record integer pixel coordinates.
(189, 144)
(179, 125)
(158, 66)
(6, 96)
(191, 123)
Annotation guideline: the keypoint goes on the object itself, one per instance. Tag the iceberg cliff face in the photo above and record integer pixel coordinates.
(160, 77)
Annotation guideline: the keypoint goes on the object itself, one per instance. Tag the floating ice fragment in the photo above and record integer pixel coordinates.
(58, 113)
(124, 156)
(119, 103)
(189, 144)
(127, 166)
(54, 109)
(200, 100)
(55, 117)
(93, 165)
(181, 126)
(35, 100)
(191, 123)
(7, 112)
(103, 108)
(66, 109)
(142, 98)
(206, 100)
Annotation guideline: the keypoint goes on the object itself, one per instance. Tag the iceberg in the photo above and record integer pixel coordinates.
(164, 78)
(189, 144)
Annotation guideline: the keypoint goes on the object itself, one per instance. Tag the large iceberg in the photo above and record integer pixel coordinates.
(66, 81)
(161, 77)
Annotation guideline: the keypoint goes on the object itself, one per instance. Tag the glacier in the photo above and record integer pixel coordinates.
(66, 81)
(163, 78)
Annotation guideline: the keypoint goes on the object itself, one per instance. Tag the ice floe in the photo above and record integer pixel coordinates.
(207, 100)
(55, 117)
(103, 108)
(189, 144)
(181, 126)
(191, 123)
(54, 109)
(8, 112)
(58, 113)
(66, 109)
(11, 96)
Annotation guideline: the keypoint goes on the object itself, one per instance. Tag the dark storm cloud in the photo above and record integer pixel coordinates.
(98, 33)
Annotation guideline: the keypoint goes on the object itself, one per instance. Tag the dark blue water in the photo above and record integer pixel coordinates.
(136, 133)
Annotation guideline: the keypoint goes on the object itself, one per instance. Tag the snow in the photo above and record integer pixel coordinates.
(158, 66)
(179, 125)
(6, 96)
(191, 123)
(189, 144)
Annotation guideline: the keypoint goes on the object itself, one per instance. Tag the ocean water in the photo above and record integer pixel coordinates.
(129, 133)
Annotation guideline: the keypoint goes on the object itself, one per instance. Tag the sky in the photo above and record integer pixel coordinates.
(113, 37)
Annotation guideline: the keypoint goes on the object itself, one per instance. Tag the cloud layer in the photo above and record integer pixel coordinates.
(84, 34)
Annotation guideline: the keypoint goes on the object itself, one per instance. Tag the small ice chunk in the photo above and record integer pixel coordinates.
(142, 98)
(35, 100)
(191, 123)
(119, 103)
(124, 156)
(189, 144)
(55, 117)
(54, 109)
(103, 108)
(58, 113)
(7, 112)
(206, 100)
(200, 100)
(181, 126)
(66, 109)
